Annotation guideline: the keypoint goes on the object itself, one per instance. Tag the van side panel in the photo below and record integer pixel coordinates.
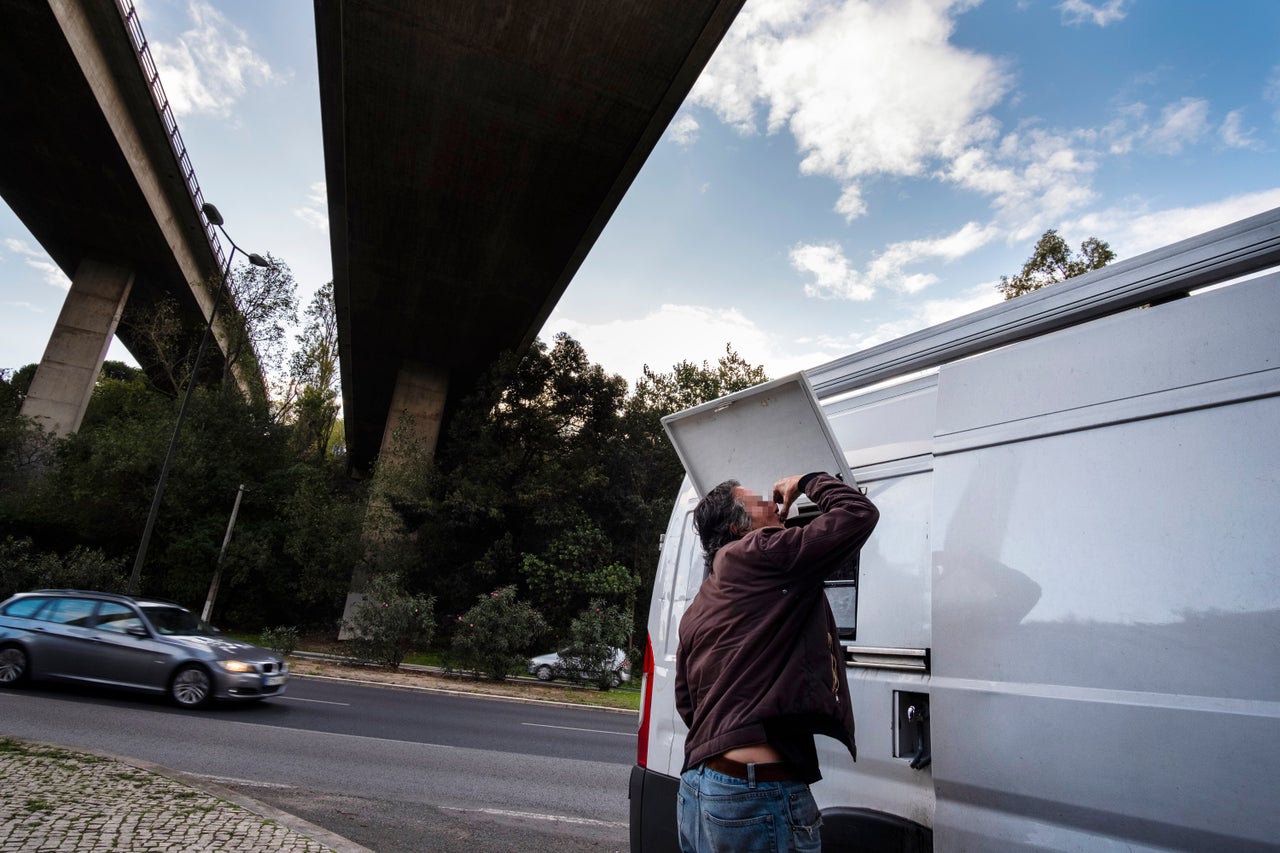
(888, 436)
(1106, 598)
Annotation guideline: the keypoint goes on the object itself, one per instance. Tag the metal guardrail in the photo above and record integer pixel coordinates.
(129, 15)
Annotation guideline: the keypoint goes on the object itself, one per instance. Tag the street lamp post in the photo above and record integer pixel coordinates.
(215, 218)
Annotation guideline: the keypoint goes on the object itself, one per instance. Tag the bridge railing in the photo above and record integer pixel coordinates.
(134, 27)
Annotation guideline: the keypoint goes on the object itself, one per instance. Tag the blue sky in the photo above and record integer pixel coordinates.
(844, 172)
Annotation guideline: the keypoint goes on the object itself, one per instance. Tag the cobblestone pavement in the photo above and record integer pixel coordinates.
(55, 799)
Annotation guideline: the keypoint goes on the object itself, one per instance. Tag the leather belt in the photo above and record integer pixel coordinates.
(777, 771)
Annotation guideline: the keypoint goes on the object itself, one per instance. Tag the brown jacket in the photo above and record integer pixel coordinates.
(758, 645)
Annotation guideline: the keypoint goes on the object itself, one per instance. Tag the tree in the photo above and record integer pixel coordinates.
(577, 565)
(26, 447)
(297, 534)
(1052, 261)
(689, 384)
(264, 301)
(162, 341)
(82, 568)
(314, 377)
(524, 460)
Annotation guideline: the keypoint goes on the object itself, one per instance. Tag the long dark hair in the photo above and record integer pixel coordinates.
(720, 518)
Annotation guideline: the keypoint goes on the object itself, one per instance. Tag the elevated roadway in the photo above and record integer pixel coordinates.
(474, 151)
(88, 163)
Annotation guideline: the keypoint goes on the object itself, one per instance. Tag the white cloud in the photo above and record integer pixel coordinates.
(1181, 123)
(865, 88)
(675, 333)
(684, 130)
(1271, 91)
(1083, 12)
(871, 89)
(316, 211)
(41, 262)
(835, 278)
(922, 315)
(1234, 135)
(1132, 232)
(210, 66)
(897, 256)
(1034, 176)
(24, 306)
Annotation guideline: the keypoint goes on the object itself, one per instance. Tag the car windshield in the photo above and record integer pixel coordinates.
(175, 620)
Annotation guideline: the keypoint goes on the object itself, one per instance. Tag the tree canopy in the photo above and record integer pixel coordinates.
(553, 479)
(1052, 261)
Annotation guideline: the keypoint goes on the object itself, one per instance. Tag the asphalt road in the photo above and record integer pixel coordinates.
(391, 769)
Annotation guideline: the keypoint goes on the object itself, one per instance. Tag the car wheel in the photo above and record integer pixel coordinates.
(543, 672)
(14, 665)
(191, 686)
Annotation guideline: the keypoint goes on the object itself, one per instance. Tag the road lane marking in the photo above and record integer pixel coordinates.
(316, 701)
(555, 818)
(573, 729)
(244, 783)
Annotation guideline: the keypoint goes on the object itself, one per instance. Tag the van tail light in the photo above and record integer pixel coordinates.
(646, 705)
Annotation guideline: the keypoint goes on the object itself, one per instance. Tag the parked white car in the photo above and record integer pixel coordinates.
(561, 664)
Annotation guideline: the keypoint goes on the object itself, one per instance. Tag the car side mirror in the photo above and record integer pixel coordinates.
(137, 631)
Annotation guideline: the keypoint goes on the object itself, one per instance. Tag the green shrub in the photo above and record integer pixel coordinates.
(594, 634)
(283, 639)
(389, 623)
(494, 636)
(22, 569)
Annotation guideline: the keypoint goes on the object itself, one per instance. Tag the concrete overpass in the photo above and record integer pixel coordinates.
(474, 151)
(99, 177)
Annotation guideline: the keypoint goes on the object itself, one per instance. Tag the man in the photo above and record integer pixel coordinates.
(759, 669)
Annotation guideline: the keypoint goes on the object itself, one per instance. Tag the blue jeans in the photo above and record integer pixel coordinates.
(721, 814)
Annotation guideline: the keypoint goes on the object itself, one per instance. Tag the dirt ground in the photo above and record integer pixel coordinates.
(433, 680)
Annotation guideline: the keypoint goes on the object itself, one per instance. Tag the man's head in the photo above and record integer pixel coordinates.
(729, 512)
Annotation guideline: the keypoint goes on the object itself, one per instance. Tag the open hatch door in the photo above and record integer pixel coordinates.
(756, 436)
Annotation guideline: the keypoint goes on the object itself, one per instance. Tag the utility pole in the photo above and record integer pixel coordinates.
(217, 571)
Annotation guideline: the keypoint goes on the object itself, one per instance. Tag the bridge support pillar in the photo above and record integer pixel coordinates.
(409, 438)
(64, 380)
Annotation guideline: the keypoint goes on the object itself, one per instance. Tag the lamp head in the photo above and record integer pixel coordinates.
(257, 260)
(211, 213)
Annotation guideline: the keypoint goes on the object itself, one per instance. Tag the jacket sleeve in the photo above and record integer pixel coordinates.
(847, 519)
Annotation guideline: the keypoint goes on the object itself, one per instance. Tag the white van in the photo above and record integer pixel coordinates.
(1064, 634)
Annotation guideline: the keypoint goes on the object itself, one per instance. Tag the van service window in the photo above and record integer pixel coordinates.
(842, 595)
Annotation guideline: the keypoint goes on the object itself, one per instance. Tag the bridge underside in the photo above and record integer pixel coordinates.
(474, 152)
(87, 179)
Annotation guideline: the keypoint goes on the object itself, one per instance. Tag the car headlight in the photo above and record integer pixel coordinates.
(236, 666)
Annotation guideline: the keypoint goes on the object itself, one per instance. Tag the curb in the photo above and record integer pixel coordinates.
(464, 693)
(290, 821)
(436, 670)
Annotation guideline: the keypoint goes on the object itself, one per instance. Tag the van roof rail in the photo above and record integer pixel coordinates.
(1241, 248)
